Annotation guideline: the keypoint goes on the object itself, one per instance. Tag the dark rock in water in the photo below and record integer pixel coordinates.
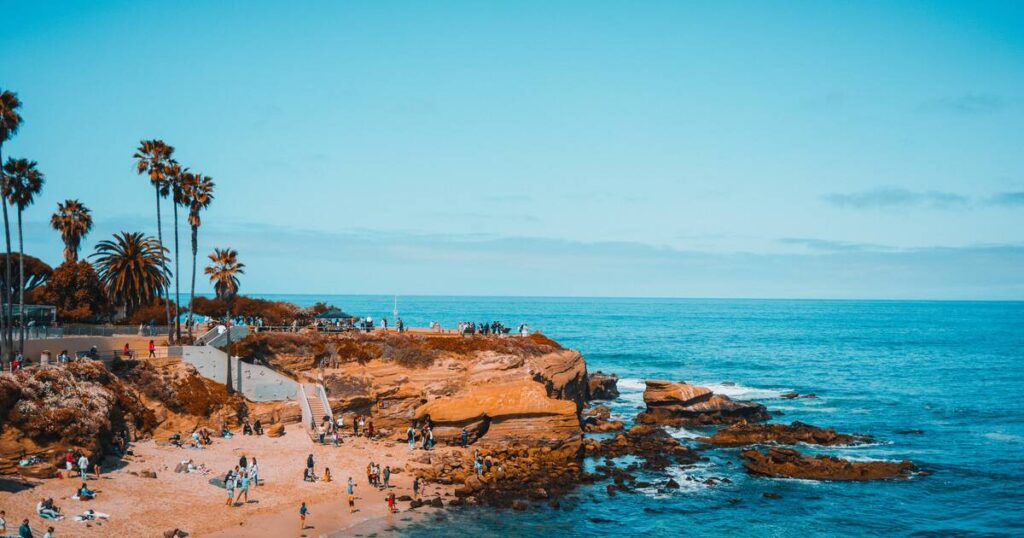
(734, 501)
(520, 505)
(650, 510)
(810, 396)
(789, 395)
(436, 502)
(770, 495)
(783, 434)
(610, 489)
(672, 484)
(601, 520)
(683, 404)
(910, 432)
(788, 463)
(642, 484)
(554, 504)
(776, 413)
(415, 503)
(657, 448)
(729, 383)
(603, 386)
(455, 502)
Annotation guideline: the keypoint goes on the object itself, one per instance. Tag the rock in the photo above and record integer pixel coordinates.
(810, 396)
(789, 395)
(657, 448)
(788, 463)
(598, 413)
(610, 489)
(910, 432)
(770, 495)
(680, 404)
(147, 474)
(436, 502)
(40, 470)
(603, 386)
(415, 503)
(277, 430)
(404, 498)
(519, 505)
(672, 484)
(783, 434)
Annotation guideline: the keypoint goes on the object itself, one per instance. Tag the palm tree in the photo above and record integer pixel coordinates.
(152, 157)
(174, 177)
(133, 267)
(74, 221)
(10, 121)
(223, 271)
(198, 191)
(24, 182)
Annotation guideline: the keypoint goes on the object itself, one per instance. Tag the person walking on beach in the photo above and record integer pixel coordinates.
(464, 437)
(243, 463)
(309, 464)
(351, 496)
(387, 476)
(254, 472)
(410, 435)
(355, 427)
(152, 349)
(229, 484)
(303, 511)
(244, 489)
(83, 466)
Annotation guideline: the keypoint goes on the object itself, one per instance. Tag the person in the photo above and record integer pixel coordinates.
(391, 503)
(478, 466)
(303, 511)
(257, 427)
(83, 466)
(362, 424)
(49, 532)
(254, 472)
(369, 473)
(25, 531)
(410, 434)
(465, 437)
(47, 510)
(85, 494)
(3, 523)
(246, 428)
(175, 439)
(229, 484)
(69, 461)
(309, 463)
(416, 487)
(152, 349)
(96, 470)
(243, 462)
(369, 429)
(351, 496)
(320, 432)
(244, 489)
(355, 427)
(334, 438)
(387, 476)
(327, 474)
(127, 350)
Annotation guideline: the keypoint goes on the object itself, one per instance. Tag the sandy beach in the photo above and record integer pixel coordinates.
(140, 506)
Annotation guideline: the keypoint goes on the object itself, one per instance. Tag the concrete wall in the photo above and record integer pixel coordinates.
(257, 383)
(83, 343)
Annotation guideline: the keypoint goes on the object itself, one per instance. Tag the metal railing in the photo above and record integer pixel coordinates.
(40, 333)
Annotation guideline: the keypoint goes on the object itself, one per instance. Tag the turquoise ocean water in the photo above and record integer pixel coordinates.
(939, 383)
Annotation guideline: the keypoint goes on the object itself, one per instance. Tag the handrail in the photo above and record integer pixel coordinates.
(321, 393)
(307, 413)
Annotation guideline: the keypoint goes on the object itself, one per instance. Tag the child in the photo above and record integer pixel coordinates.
(302, 516)
(327, 474)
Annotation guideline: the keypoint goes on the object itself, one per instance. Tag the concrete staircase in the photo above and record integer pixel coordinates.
(317, 406)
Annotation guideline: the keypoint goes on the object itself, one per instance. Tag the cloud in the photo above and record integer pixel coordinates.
(971, 103)
(892, 197)
(1007, 199)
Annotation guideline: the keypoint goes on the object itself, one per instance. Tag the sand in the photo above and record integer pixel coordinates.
(141, 506)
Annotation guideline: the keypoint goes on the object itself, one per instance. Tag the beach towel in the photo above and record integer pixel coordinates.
(90, 515)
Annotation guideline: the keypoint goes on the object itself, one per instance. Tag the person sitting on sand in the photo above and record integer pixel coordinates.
(327, 474)
(257, 427)
(246, 428)
(175, 439)
(47, 510)
(205, 434)
(225, 432)
(85, 494)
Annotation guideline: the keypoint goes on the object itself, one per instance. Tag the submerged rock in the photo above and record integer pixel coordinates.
(683, 404)
(653, 444)
(788, 463)
(783, 434)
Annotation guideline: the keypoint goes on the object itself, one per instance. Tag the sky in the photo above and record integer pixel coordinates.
(667, 149)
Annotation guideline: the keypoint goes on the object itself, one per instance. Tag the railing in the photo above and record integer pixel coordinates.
(307, 413)
(39, 333)
(321, 393)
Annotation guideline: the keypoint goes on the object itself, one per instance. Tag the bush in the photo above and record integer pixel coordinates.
(75, 289)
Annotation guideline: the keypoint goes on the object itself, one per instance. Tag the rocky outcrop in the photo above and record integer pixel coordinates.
(657, 448)
(788, 463)
(508, 412)
(683, 404)
(603, 386)
(598, 420)
(782, 434)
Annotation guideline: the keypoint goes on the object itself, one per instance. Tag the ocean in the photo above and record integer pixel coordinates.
(938, 383)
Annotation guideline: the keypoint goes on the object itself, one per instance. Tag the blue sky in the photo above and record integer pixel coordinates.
(723, 149)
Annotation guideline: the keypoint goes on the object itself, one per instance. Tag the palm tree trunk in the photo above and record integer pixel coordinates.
(192, 294)
(160, 240)
(21, 286)
(227, 322)
(177, 267)
(9, 329)
(4, 321)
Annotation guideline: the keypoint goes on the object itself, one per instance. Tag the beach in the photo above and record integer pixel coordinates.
(140, 506)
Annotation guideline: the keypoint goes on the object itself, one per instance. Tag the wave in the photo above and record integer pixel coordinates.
(999, 436)
(743, 392)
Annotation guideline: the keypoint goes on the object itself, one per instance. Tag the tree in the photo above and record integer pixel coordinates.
(152, 157)
(175, 176)
(10, 122)
(77, 292)
(74, 221)
(37, 274)
(133, 267)
(24, 181)
(198, 194)
(223, 271)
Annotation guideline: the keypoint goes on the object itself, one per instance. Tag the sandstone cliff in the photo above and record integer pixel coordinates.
(681, 404)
